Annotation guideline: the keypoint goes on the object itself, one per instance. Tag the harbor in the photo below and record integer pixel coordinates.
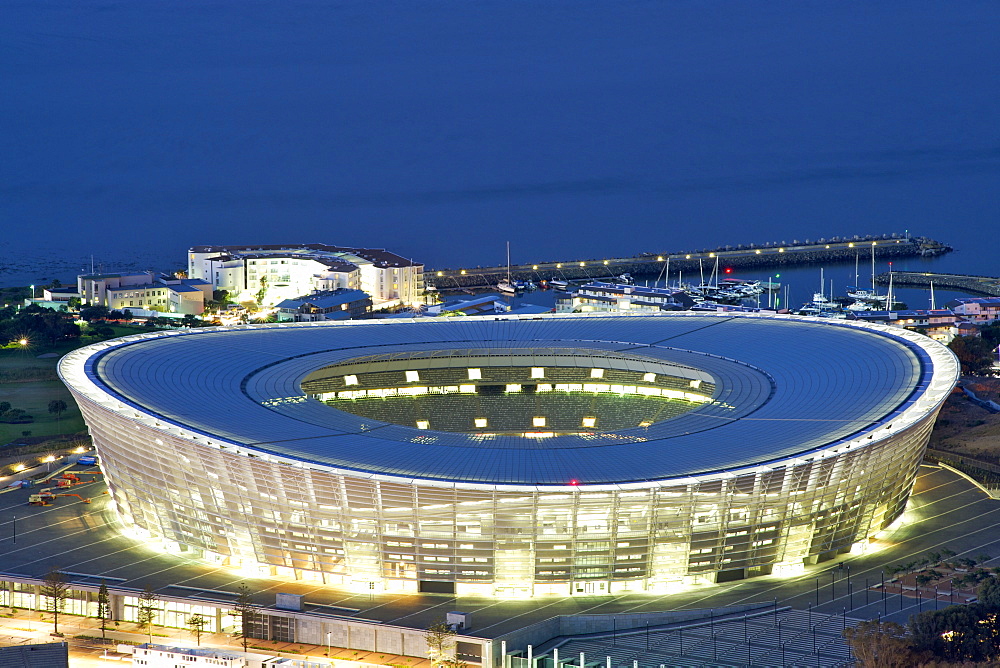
(731, 258)
(987, 286)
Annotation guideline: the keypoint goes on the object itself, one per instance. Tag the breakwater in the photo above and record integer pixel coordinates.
(988, 286)
(743, 257)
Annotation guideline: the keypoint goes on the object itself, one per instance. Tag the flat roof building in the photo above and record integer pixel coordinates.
(270, 273)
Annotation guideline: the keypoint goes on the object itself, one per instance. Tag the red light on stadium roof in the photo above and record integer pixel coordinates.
(574, 481)
(729, 270)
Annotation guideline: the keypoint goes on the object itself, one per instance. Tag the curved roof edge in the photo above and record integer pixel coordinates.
(941, 374)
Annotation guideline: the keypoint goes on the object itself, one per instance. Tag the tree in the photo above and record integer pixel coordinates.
(55, 589)
(880, 645)
(974, 353)
(245, 610)
(440, 644)
(197, 624)
(57, 407)
(955, 633)
(989, 594)
(92, 313)
(146, 611)
(103, 608)
(4, 406)
(263, 291)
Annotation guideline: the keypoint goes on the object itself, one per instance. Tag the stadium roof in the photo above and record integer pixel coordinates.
(784, 386)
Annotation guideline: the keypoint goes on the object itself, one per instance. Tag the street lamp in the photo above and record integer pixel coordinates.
(328, 644)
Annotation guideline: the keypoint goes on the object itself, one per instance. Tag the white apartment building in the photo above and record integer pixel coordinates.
(143, 291)
(272, 273)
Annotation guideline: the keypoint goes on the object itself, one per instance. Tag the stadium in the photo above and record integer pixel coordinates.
(528, 455)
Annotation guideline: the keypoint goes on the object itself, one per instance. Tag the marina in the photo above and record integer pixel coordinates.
(731, 258)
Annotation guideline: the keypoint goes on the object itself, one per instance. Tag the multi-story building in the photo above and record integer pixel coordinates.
(143, 291)
(272, 273)
(976, 309)
(341, 304)
(93, 288)
(939, 324)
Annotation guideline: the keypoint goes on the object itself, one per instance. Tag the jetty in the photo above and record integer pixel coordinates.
(742, 257)
(988, 286)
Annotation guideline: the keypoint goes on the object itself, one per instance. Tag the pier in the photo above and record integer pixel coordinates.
(749, 257)
(987, 286)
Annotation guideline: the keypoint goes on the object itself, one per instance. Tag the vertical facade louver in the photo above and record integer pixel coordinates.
(648, 508)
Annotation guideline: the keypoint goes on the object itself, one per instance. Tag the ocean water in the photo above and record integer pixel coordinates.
(441, 129)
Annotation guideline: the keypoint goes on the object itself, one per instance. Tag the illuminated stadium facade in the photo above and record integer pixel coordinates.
(514, 455)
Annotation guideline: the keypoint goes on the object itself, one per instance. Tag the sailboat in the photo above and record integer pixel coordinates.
(507, 285)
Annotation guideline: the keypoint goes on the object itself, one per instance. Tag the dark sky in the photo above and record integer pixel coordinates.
(441, 129)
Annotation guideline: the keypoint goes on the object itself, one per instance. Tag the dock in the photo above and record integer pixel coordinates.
(748, 257)
(987, 286)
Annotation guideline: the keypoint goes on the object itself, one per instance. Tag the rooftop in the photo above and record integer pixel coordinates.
(377, 256)
(797, 386)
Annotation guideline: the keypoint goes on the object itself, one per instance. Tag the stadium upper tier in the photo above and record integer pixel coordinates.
(424, 399)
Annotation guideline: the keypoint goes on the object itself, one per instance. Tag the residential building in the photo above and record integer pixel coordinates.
(939, 324)
(340, 304)
(63, 294)
(93, 288)
(270, 273)
(143, 291)
(976, 309)
(599, 296)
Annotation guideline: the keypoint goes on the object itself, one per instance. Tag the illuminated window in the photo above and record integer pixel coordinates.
(696, 384)
(480, 423)
(468, 389)
(649, 377)
(475, 374)
(538, 422)
(423, 424)
(350, 380)
(590, 422)
(513, 387)
(537, 372)
(597, 373)
(412, 376)
(645, 423)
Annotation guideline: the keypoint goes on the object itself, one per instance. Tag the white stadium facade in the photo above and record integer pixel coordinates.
(530, 455)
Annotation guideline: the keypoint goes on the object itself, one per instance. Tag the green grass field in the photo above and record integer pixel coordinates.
(30, 383)
(33, 395)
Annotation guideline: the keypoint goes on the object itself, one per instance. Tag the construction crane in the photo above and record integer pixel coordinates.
(45, 497)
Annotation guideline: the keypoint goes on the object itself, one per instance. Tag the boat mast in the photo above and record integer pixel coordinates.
(888, 302)
(857, 257)
(932, 296)
(701, 270)
(873, 268)
(508, 264)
